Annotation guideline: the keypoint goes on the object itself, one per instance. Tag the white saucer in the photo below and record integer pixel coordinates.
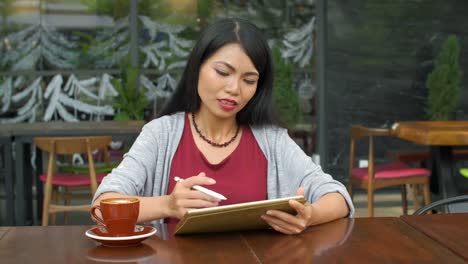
(100, 235)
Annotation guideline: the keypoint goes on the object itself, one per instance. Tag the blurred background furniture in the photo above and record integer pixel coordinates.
(460, 205)
(53, 179)
(25, 180)
(304, 135)
(421, 158)
(376, 176)
(442, 137)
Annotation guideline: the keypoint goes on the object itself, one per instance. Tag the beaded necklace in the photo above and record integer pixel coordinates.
(214, 144)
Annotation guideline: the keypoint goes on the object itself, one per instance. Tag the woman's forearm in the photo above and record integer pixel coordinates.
(151, 208)
(329, 207)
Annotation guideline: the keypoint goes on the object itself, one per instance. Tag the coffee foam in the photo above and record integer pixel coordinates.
(120, 200)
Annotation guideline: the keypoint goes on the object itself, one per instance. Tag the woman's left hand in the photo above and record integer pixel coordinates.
(329, 207)
(291, 224)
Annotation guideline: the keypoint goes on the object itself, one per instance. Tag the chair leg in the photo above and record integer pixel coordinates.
(417, 204)
(46, 204)
(404, 201)
(427, 194)
(370, 203)
(53, 217)
(66, 201)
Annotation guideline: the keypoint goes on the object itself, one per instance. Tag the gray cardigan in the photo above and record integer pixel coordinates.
(145, 169)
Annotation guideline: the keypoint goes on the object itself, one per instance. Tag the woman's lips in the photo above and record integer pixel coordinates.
(227, 104)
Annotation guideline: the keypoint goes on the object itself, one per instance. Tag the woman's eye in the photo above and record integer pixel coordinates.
(222, 73)
(250, 81)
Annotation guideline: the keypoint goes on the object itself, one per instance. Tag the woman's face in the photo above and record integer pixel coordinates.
(227, 81)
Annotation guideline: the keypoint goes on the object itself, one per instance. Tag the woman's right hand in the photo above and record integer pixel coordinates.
(183, 197)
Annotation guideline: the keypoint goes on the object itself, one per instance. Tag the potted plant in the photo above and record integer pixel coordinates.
(443, 82)
(285, 98)
(130, 103)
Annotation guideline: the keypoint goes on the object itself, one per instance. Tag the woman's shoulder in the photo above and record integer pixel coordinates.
(269, 136)
(167, 122)
(268, 130)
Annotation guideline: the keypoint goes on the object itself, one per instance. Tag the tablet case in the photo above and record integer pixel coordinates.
(235, 217)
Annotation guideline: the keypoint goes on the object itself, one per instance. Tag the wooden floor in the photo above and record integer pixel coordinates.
(387, 203)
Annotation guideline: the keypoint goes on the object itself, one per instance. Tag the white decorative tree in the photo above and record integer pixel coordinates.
(164, 50)
(170, 46)
(156, 51)
(104, 88)
(32, 96)
(29, 110)
(27, 47)
(114, 41)
(62, 98)
(59, 100)
(299, 44)
(6, 90)
(306, 91)
(163, 89)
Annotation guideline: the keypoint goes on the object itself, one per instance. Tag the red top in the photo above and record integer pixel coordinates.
(240, 177)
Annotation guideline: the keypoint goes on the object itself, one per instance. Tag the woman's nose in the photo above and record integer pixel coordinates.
(233, 86)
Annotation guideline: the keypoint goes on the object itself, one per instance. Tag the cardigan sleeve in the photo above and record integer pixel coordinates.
(296, 169)
(137, 165)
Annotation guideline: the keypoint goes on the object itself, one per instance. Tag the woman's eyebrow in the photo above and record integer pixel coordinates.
(234, 69)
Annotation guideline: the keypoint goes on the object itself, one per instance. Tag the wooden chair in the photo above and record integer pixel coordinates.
(63, 146)
(376, 176)
(418, 158)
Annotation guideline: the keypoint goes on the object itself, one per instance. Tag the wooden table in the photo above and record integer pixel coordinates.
(450, 230)
(441, 136)
(23, 135)
(361, 240)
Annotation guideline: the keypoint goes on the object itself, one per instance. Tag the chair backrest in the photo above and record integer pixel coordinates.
(71, 145)
(446, 201)
(359, 132)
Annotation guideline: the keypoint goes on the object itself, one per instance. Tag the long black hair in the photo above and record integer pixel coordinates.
(259, 109)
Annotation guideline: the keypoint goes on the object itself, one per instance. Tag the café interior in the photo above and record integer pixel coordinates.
(374, 92)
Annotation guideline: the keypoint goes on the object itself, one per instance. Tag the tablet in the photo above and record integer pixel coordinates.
(234, 217)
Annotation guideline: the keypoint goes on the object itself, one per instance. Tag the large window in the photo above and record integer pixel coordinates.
(78, 60)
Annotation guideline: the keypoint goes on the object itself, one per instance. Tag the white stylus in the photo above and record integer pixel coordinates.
(204, 190)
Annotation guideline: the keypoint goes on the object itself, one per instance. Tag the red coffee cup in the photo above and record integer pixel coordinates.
(119, 215)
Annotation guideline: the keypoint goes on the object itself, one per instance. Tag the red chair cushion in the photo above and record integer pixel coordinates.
(70, 180)
(390, 171)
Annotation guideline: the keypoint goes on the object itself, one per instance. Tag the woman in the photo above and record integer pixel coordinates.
(217, 130)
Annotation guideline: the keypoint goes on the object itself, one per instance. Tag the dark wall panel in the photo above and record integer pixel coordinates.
(379, 53)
